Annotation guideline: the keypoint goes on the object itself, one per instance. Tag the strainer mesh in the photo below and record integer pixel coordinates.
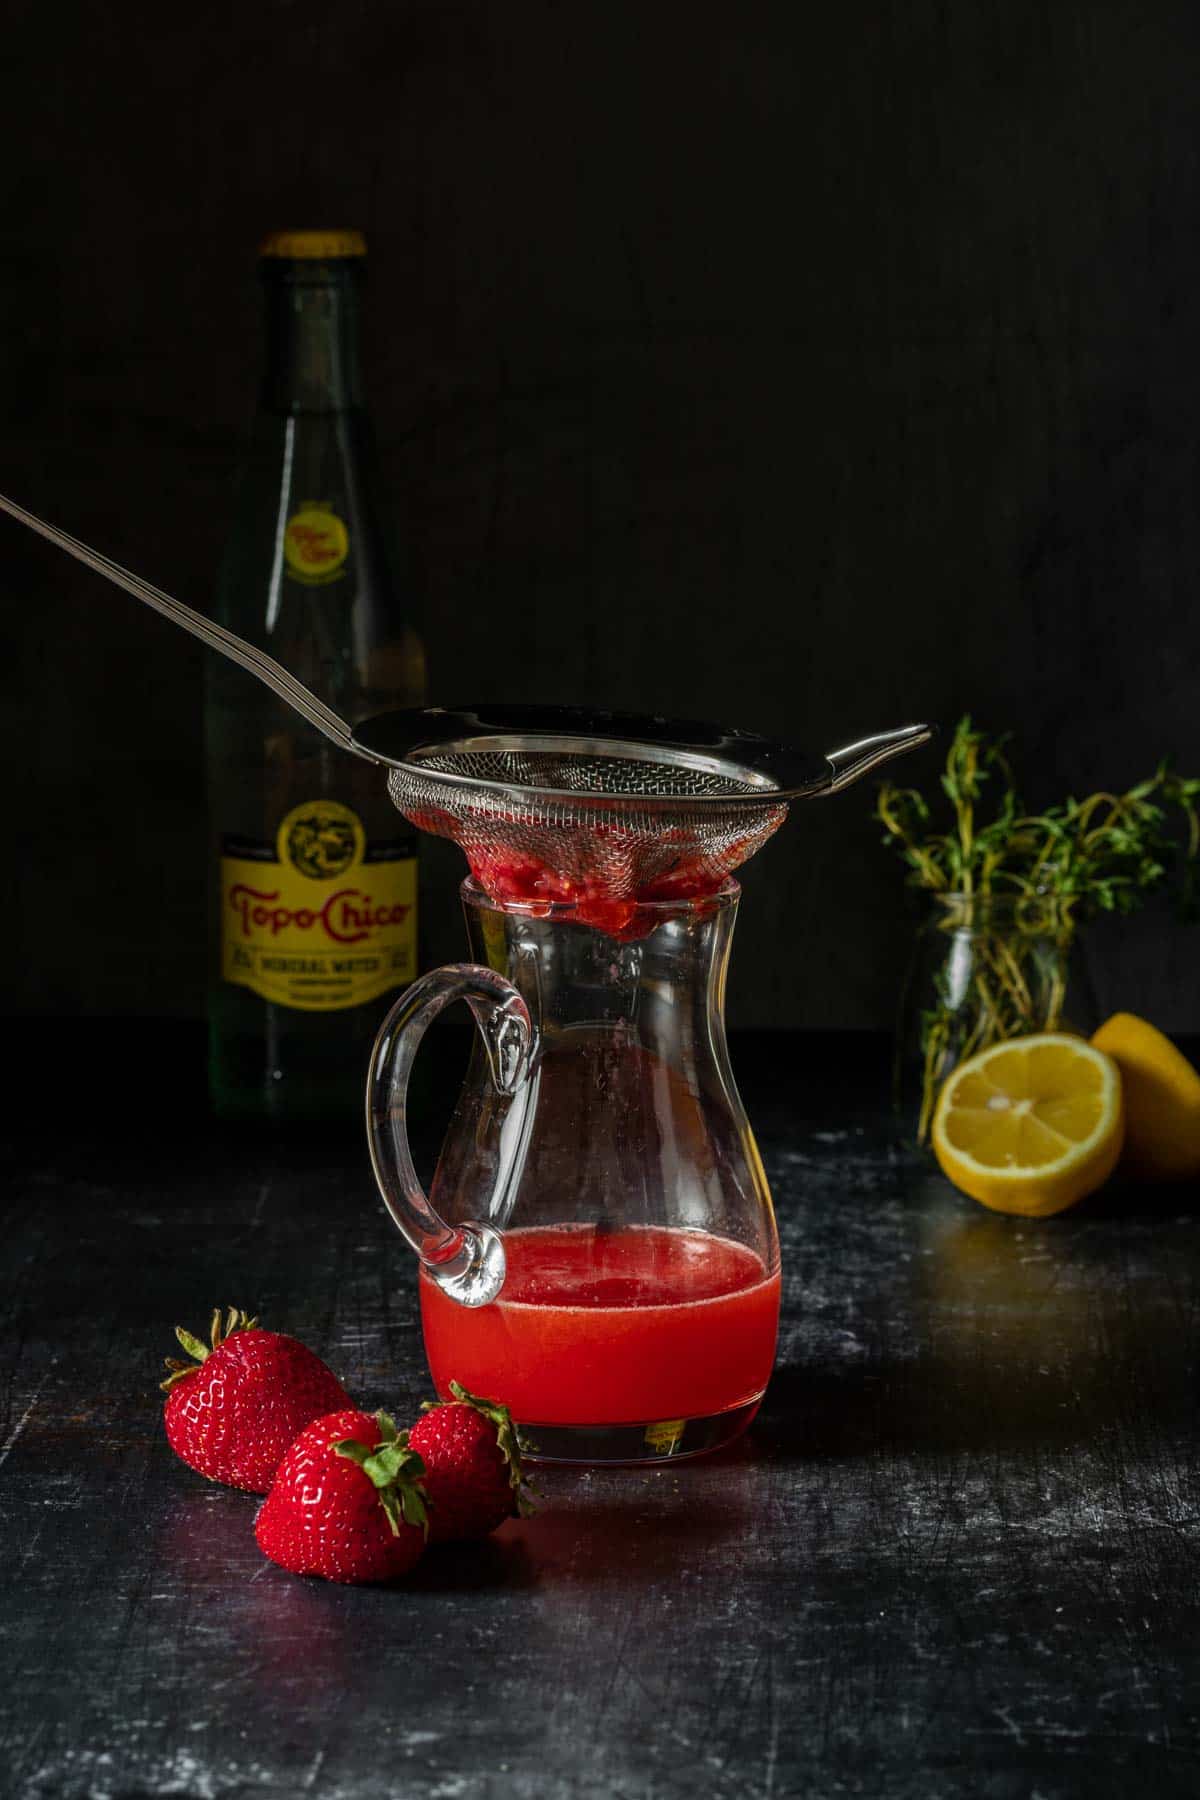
(602, 831)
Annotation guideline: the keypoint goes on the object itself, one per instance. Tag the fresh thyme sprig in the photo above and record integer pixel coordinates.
(1102, 854)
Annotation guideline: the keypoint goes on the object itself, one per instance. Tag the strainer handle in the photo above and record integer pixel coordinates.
(467, 1261)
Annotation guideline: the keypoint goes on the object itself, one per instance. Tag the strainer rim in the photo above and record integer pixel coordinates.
(598, 799)
(767, 774)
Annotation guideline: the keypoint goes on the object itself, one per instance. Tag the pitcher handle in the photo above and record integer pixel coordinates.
(467, 1261)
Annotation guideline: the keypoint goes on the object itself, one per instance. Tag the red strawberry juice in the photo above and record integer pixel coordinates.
(598, 1327)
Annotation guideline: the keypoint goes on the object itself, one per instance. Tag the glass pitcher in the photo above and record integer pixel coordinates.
(598, 1249)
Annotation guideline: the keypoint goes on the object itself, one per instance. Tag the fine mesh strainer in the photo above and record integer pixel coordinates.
(602, 811)
(560, 804)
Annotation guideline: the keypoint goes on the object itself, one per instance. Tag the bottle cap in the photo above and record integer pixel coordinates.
(313, 246)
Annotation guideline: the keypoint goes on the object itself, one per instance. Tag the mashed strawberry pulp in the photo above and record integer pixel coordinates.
(512, 879)
(596, 1327)
(614, 903)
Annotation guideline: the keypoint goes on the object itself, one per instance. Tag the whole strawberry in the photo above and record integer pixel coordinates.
(253, 1393)
(473, 1475)
(347, 1501)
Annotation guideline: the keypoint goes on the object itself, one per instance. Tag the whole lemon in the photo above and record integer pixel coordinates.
(1162, 1100)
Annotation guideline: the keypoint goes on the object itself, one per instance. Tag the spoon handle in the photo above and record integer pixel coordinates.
(273, 674)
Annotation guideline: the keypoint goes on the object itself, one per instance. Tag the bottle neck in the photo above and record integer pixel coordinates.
(312, 312)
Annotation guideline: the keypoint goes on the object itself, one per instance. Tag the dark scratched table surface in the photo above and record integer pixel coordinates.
(956, 1555)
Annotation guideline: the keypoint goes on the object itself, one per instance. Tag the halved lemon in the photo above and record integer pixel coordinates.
(1031, 1125)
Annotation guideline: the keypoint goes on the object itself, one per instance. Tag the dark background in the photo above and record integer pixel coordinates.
(809, 369)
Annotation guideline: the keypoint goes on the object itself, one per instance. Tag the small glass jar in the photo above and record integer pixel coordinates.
(986, 967)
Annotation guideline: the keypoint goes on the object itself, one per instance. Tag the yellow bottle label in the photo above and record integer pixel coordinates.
(315, 544)
(321, 919)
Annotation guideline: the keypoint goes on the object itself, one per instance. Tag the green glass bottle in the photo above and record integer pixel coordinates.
(314, 871)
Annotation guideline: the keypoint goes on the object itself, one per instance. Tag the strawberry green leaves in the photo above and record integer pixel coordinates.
(394, 1470)
(200, 1352)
